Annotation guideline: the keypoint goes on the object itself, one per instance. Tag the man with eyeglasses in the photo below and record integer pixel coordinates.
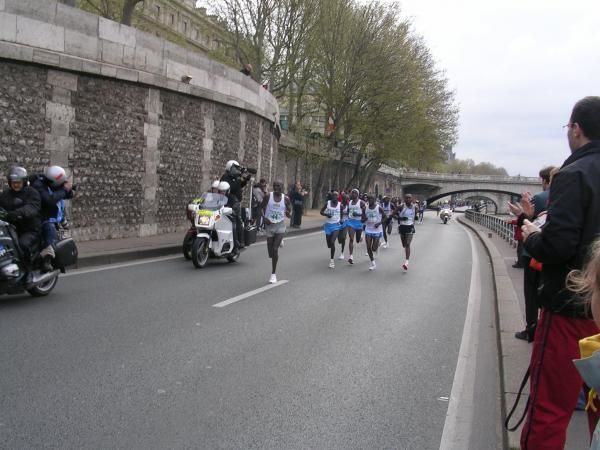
(573, 222)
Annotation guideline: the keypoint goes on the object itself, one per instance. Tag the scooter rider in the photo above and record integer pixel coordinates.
(54, 188)
(237, 179)
(22, 207)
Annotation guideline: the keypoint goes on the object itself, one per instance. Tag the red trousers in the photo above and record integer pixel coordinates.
(555, 383)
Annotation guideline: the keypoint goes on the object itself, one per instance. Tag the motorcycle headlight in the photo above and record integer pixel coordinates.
(203, 220)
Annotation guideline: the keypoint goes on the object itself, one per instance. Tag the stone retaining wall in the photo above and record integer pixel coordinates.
(107, 102)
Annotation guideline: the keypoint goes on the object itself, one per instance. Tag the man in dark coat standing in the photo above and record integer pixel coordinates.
(297, 198)
(562, 245)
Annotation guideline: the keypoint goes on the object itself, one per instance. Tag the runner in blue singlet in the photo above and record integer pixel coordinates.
(373, 217)
(354, 224)
(332, 211)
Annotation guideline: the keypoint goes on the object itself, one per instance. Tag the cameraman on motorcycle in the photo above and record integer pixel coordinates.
(22, 208)
(237, 177)
(54, 189)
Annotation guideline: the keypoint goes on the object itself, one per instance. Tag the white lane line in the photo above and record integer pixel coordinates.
(119, 266)
(459, 417)
(248, 294)
(72, 273)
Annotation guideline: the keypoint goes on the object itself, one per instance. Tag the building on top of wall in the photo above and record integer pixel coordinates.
(178, 21)
(181, 21)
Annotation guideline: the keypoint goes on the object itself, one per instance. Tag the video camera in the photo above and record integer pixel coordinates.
(250, 170)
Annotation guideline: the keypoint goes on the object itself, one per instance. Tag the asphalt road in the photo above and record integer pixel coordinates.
(137, 356)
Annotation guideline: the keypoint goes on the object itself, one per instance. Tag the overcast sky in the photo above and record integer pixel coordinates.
(517, 67)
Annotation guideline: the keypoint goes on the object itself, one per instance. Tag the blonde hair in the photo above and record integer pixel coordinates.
(587, 281)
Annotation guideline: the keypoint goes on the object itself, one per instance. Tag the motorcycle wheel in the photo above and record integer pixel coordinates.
(188, 241)
(445, 221)
(43, 289)
(200, 253)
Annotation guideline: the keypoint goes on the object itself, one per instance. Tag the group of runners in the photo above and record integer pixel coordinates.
(347, 217)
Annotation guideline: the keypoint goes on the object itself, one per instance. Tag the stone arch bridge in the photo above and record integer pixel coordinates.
(435, 186)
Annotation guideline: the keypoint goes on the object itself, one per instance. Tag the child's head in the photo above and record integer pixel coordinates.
(587, 282)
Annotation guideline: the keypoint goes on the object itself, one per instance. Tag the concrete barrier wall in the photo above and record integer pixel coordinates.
(106, 101)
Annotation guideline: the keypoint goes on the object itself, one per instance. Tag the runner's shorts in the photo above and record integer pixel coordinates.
(275, 228)
(355, 224)
(406, 229)
(331, 228)
(375, 235)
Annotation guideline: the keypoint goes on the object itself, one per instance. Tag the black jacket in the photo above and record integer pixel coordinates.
(50, 197)
(573, 223)
(27, 206)
(236, 183)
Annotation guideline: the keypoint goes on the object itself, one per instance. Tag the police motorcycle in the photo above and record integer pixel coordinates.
(213, 230)
(16, 278)
(445, 214)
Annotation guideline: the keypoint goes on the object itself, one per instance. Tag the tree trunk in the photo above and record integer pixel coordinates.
(317, 195)
(356, 175)
(128, 8)
(368, 173)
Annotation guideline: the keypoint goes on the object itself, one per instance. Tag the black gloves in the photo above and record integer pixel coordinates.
(11, 216)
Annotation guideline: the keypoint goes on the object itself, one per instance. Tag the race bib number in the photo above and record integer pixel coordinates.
(276, 216)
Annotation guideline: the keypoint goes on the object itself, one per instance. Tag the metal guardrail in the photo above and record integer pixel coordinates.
(497, 224)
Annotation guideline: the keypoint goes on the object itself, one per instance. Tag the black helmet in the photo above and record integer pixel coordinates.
(17, 173)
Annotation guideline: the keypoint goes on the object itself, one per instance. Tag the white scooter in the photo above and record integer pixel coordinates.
(214, 229)
(445, 215)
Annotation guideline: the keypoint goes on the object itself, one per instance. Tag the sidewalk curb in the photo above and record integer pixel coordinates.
(508, 321)
(120, 256)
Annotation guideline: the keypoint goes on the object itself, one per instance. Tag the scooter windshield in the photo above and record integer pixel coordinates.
(212, 201)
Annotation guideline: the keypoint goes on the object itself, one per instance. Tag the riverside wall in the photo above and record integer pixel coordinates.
(108, 103)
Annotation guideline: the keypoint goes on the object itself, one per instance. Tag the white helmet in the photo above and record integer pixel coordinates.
(231, 163)
(56, 175)
(215, 184)
(224, 187)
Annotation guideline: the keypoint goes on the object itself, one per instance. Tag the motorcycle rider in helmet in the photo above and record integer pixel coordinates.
(22, 208)
(224, 188)
(54, 188)
(237, 180)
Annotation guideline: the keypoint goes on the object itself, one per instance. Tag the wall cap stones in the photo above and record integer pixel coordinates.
(53, 34)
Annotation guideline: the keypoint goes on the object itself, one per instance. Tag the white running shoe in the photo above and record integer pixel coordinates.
(384, 245)
(366, 253)
(273, 279)
(405, 266)
(332, 264)
(341, 257)
(373, 265)
(282, 244)
(350, 260)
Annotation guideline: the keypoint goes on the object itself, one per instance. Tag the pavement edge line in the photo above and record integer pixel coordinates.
(459, 416)
(508, 439)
